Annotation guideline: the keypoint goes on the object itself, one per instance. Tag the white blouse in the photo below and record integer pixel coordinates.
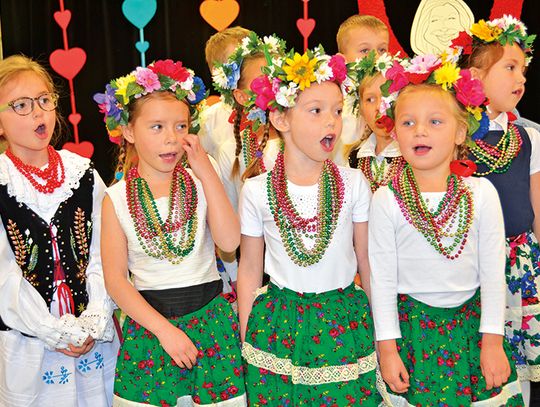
(338, 266)
(150, 273)
(402, 261)
(22, 308)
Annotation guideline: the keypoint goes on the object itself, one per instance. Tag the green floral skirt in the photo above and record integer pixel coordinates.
(146, 374)
(440, 348)
(311, 350)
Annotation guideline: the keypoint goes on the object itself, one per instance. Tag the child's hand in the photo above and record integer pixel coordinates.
(196, 156)
(76, 351)
(493, 361)
(179, 347)
(393, 370)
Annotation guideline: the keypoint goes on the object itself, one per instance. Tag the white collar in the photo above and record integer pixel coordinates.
(367, 149)
(499, 123)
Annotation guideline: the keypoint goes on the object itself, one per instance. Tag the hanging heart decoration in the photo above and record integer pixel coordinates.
(305, 25)
(139, 13)
(502, 7)
(219, 13)
(68, 62)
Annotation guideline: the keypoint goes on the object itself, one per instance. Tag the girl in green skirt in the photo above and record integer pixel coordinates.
(181, 338)
(436, 249)
(308, 335)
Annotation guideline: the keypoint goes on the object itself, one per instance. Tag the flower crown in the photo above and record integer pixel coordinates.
(159, 76)
(368, 66)
(285, 77)
(441, 71)
(504, 30)
(225, 76)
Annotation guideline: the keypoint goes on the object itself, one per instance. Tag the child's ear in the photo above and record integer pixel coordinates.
(127, 133)
(476, 73)
(240, 96)
(279, 121)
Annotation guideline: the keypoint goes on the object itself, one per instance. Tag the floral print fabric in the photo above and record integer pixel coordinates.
(311, 350)
(146, 374)
(440, 348)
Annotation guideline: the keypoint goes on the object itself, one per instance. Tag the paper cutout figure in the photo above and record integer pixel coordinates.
(437, 23)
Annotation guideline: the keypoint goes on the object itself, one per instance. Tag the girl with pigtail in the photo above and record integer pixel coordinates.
(181, 336)
(250, 143)
(307, 335)
(497, 53)
(376, 153)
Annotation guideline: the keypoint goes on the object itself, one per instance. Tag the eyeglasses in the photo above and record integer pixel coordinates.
(24, 106)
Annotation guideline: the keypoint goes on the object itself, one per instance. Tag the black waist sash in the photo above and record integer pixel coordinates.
(176, 302)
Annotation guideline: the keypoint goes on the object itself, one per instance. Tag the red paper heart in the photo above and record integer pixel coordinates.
(219, 13)
(74, 118)
(68, 63)
(62, 18)
(84, 148)
(305, 26)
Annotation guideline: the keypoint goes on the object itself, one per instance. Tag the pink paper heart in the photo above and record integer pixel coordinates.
(74, 118)
(305, 26)
(62, 18)
(84, 148)
(68, 63)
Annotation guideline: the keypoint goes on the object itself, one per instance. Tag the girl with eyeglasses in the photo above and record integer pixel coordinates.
(57, 339)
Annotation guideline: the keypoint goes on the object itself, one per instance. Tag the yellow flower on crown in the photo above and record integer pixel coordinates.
(446, 75)
(122, 84)
(476, 111)
(300, 70)
(485, 32)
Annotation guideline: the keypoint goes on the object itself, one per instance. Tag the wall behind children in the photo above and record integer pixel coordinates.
(178, 31)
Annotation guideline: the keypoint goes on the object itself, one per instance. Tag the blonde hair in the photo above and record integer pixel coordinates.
(217, 44)
(355, 21)
(14, 65)
(366, 81)
(458, 112)
(126, 155)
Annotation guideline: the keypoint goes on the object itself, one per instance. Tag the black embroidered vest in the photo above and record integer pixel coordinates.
(513, 185)
(30, 239)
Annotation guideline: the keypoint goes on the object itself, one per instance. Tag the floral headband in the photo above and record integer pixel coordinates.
(225, 76)
(285, 77)
(368, 66)
(437, 70)
(505, 30)
(159, 76)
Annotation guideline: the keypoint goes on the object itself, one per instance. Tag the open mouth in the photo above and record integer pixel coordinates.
(328, 142)
(518, 92)
(41, 130)
(168, 156)
(421, 149)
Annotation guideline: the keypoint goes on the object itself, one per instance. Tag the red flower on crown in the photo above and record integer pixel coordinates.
(171, 69)
(464, 41)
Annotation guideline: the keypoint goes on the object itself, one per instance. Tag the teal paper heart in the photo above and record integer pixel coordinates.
(142, 46)
(139, 12)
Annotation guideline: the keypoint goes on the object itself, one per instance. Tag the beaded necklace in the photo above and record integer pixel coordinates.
(292, 227)
(380, 174)
(497, 158)
(173, 239)
(251, 149)
(50, 174)
(452, 218)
